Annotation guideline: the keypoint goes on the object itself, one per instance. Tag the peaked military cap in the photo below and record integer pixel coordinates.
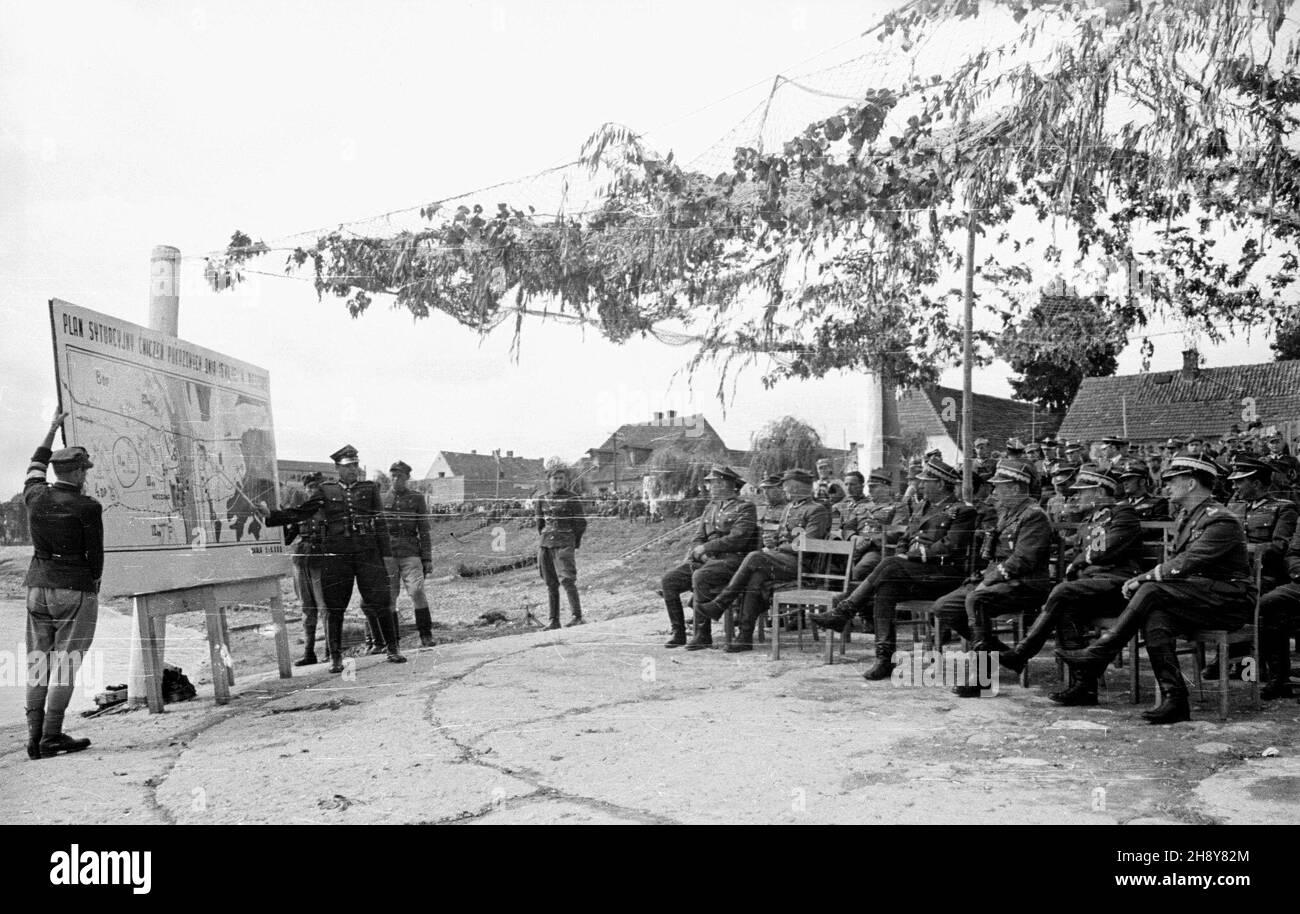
(936, 469)
(1048, 441)
(313, 477)
(1062, 471)
(979, 441)
(880, 478)
(861, 478)
(771, 482)
(823, 462)
(74, 458)
(1174, 444)
(1011, 471)
(400, 466)
(1115, 440)
(1015, 444)
(1185, 463)
(1244, 467)
(1034, 448)
(1091, 477)
(797, 475)
(1072, 446)
(1132, 467)
(719, 471)
(345, 455)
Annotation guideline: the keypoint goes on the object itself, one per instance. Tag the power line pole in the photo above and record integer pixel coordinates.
(968, 356)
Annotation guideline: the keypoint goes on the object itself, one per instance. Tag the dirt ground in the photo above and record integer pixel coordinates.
(505, 723)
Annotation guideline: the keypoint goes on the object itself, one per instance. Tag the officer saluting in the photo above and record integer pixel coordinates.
(62, 583)
(355, 543)
(408, 531)
(727, 532)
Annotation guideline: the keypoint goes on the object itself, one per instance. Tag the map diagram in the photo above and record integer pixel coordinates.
(183, 445)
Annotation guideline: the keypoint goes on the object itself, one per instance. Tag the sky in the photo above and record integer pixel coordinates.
(128, 125)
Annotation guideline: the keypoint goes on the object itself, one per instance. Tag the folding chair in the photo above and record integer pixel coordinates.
(1222, 638)
(806, 591)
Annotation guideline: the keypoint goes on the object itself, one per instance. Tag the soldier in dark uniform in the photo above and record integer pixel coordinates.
(1205, 583)
(1279, 619)
(1114, 450)
(407, 514)
(869, 518)
(1016, 579)
(1134, 479)
(826, 488)
(984, 463)
(561, 520)
(728, 531)
(772, 565)
(354, 542)
(1063, 505)
(930, 561)
(1106, 552)
(1076, 452)
(304, 539)
(1286, 469)
(67, 530)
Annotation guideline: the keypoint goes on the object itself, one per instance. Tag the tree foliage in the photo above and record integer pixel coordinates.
(783, 444)
(1061, 341)
(1157, 120)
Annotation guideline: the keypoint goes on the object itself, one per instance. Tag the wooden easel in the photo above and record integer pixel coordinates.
(212, 600)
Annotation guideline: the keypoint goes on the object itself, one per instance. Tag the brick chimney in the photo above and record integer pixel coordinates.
(510, 453)
(1191, 364)
(659, 419)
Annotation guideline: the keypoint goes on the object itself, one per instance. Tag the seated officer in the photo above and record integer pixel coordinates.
(1135, 479)
(1279, 619)
(930, 561)
(1106, 552)
(1063, 505)
(1016, 579)
(772, 565)
(728, 530)
(1205, 583)
(826, 488)
(873, 523)
(1076, 453)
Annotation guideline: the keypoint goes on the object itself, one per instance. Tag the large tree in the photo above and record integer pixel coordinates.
(1061, 341)
(783, 444)
(1129, 122)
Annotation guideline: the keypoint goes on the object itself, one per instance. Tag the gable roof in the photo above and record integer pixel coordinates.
(1159, 405)
(685, 432)
(994, 418)
(484, 466)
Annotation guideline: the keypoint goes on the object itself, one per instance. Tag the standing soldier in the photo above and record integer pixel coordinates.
(985, 464)
(1286, 469)
(1016, 579)
(561, 521)
(67, 530)
(930, 561)
(1204, 583)
(728, 531)
(772, 565)
(355, 544)
(1106, 552)
(827, 489)
(407, 515)
(305, 540)
(1115, 449)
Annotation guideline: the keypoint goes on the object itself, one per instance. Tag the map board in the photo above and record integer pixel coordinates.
(183, 447)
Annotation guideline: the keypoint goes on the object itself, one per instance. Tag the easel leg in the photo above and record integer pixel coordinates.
(149, 659)
(281, 638)
(220, 681)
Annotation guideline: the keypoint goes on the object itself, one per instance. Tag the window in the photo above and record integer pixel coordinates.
(442, 475)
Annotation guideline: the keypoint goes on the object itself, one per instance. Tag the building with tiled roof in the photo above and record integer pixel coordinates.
(936, 412)
(1152, 407)
(455, 476)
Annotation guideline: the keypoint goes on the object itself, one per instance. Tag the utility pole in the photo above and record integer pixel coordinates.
(968, 356)
(497, 455)
(615, 462)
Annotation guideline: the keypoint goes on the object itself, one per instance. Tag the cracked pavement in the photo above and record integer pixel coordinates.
(600, 724)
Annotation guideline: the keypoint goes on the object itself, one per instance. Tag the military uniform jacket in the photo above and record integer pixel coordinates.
(1148, 506)
(943, 529)
(1209, 542)
(769, 523)
(67, 531)
(1272, 522)
(305, 536)
(1063, 509)
(352, 517)
(407, 515)
(807, 515)
(561, 519)
(828, 491)
(1109, 541)
(1020, 544)
(861, 515)
(1293, 557)
(728, 527)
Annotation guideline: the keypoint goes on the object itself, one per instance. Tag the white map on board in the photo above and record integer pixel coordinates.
(178, 462)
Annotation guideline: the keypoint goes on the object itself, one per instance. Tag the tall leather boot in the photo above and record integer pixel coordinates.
(392, 639)
(1081, 690)
(553, 605)
(1276, 658)
(55, 741)
(979, 640)
(334, 639)
(309, 634)
(1173, 706)
(424, 625)
(744, 635)
(844, 608)
(375, 639)
(1101, 652)
(884, 665)
(1018, 657)
(575, 605)
(35, 729)
(703, 633)
(677, 619)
